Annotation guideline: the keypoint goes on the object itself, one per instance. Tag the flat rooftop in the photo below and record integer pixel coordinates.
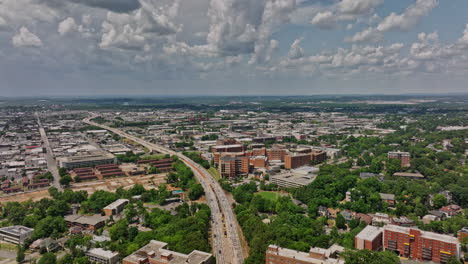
(424, 234)
(116, 204)
(296, 178)
(369, 233)
(88, 157)
(16, 230)
(102, 253)
(302, 256)
(156, 249)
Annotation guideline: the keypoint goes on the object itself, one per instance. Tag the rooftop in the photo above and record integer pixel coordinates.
(424, 234)
(116, 203)
(369, 233)
(17, 230)
(102, 253)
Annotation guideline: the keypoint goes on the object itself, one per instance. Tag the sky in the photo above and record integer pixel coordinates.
(232, 47)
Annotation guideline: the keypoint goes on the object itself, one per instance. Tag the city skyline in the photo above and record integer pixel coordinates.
(232, 47)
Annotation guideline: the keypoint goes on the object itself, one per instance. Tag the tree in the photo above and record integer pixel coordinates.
(65, 180)
(196, 191)
(20, 254)
(370, 257)
(340, 221)
(48, 258)
(439, 201)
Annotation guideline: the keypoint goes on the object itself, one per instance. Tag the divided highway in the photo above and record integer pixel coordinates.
(225, 235)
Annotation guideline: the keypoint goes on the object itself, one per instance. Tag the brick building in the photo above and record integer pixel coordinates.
(420, 245)
(369, 238)
(276, 154)
(404, 157)
(231, 166)
(259, 161)
(318, 156)
(292, 161)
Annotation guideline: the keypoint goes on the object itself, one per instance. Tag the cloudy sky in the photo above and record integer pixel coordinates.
(230, 47)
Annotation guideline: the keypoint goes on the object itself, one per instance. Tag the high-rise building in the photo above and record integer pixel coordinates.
(231, 166)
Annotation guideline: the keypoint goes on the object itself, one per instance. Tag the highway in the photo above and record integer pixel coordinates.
(225, 236)
(51, 164)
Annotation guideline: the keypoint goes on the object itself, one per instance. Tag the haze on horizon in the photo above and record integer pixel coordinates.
(232, 47)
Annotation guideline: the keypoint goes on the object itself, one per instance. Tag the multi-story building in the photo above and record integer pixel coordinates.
(369, 238)
(99, 255)
(86, 160)
(279, 255)
(318, 156)
(420, 245)
(259, 161)
(86, 222)
(232, 166)
(404, 157)
(116, 207)
(292, 161)
(155, 252)
(276, 154)
(15, 234)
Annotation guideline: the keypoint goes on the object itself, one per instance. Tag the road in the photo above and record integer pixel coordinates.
(225, 235)
(51, 164)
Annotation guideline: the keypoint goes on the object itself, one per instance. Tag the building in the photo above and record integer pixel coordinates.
(86, 222)
(463, 234)
(292, 179)
(414, 176)
(318, 156)
(99, 255)
(232, 166)
(15, 234)
(116, 207)
(156, 252)
(259, 161)
(369, 238)
(292, 161)
(87, 160)
(451, 210)
(279, 255)
(420, 245)
(388, 198)
(276, 154)
(404, 157)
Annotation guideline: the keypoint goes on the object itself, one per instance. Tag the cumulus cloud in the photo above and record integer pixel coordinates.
(404, 21)
(119, 6)
(24, 38)
(358, 6)
(296, 51)
(325, 20)
(67, 25)
(244, 26)
(2, 23)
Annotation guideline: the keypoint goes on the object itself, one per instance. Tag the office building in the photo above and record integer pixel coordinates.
(86, 160)
(292, 161)
(233, 166)
(369, 238)
(404, 157)
(116, 207)
(420, 245)
(99, 255)
(318, 156)
(156, 252)
(15, 234)
(276, 154)
(279, 255)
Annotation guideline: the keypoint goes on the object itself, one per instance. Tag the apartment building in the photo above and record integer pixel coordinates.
(404, 157)
(279, 255)
(276, 154)
(15, 234)
(420, 245)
